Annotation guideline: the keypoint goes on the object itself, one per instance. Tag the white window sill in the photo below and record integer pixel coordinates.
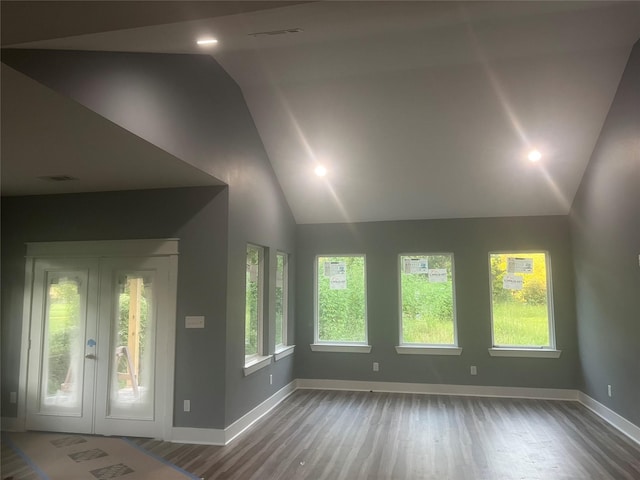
(256, 363)
(341, 347)
(427, 350)
(525, 352)
(284, 351)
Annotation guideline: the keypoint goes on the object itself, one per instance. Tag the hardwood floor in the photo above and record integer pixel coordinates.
(358, 435)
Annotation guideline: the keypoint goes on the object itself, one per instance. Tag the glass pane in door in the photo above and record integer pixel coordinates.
(63, 346)
(133, 334)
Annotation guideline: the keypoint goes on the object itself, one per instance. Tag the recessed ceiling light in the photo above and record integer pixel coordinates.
(320, 171)
(207, 41)
(534, 155)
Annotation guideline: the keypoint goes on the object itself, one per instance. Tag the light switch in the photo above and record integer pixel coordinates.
(194, 321)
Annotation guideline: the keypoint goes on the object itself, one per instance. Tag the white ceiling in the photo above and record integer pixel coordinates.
(418, 109)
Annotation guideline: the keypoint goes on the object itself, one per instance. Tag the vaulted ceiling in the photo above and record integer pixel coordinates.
(416, 109)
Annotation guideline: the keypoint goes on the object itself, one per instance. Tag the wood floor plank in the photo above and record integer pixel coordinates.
(359, 435)
(338, 435)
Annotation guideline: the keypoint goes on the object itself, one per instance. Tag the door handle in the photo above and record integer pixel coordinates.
(90, 356)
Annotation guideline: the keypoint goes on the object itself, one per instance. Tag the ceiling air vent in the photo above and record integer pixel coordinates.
(58, 178)
(276, 32)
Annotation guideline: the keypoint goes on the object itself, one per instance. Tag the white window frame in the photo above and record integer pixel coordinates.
(533, 351)
(285, 296)
(284, 349)
(257, 360)
(337, 346)
(406, 348)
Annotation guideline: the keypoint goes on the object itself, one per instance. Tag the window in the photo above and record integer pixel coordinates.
(282, 287)
(427, 300)
(253, 303)
(521, 300)
(341, 314)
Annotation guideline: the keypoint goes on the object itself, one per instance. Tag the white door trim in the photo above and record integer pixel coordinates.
(167, 421)
(107, 248)
(24, 350)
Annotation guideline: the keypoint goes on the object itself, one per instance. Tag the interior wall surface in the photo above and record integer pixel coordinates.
(470, 241)
(190, 107)
(605, 227)
(197, 216)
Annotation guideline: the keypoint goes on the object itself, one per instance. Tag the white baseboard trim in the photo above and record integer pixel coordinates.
(619, 422)
(215, 436)
(198, 436)
(248, 419)
(440, 389)
(12, 424)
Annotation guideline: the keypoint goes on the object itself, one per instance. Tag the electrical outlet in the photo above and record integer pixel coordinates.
(13, 397)
(609, 392)
(271, 379)
(474, 370)
(187, 405)
(376, 367)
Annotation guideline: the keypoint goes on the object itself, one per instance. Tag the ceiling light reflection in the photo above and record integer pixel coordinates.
(207, 41)
(320, 171)
(534, 155)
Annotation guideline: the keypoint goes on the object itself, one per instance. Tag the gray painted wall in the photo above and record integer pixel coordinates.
(188, 106)
(197, 216)
(470, 240)
(605, 227)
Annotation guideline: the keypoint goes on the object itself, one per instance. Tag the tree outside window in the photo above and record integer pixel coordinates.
(253, 302)
(427, 301)
(520, 298)
(341, 299)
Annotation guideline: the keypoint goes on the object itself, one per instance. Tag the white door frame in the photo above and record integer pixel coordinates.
(100, 249)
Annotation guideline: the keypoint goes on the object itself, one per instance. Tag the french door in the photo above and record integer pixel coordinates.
(99, 343)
